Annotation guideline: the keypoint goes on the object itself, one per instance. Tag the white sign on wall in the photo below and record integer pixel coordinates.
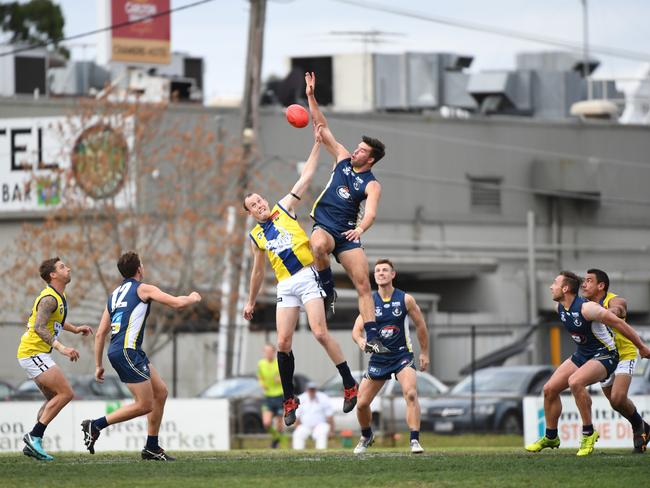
(614, 430)
(37, 154)
(187, 425)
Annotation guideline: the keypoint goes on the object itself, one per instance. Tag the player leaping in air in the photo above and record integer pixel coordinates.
(279, 234)
(336, 212)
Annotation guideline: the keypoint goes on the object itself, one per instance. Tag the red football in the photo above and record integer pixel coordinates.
(297, 116)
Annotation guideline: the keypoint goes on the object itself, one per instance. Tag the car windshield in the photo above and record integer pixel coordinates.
(27, 385)
(493, 380)
(641, 366)
(233, 387)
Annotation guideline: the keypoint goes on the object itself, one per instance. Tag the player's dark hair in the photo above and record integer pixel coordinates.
(244, 201)
(385, 261)
(378, 149)
(601, 277)
(572, 280)
(128, 264)
(48, 266)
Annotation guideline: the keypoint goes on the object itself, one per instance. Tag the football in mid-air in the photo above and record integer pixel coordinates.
(297, 116)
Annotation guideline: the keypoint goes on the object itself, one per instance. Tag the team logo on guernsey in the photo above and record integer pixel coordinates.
(389, 331)
(397, 311)
(357, 183)
(347, 170)
(377, 311)
(280, 243)
(579, 338)
(343, 192)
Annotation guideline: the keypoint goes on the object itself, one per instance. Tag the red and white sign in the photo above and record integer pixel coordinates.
(147, 41)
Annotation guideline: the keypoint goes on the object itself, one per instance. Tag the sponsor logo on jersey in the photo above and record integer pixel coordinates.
(275, 215)
(281, 243)
(343, 192)
(397, 312)
(389, 331)
(386, 305)
(579, 338)
(357, 183)
(347, 170)
(377, 311)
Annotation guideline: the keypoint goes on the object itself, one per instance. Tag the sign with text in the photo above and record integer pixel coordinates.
(37, 154)
(147, 41)
(187, 425)
(614, 430)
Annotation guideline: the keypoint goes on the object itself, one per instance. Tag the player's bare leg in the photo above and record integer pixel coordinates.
(322, 244)
(408, 380)
(152, 450)
(589, 373)
(356, 265)
(618, 399)
(54, 381)
(368, 390)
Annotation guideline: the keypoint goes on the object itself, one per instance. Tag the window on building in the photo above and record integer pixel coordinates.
(485, 194)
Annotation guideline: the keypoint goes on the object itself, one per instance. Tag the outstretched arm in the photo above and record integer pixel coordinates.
(290, 201)
(330, 143)
(373, 190)
(415, 314)
(257, 278)
(150, 292)
(593, 311)
(618, 306)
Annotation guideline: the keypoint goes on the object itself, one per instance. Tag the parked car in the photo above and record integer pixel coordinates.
(388, 408)
(246, 398)
(6, 390)
(85, 388)
(641, 379)
(498, 400)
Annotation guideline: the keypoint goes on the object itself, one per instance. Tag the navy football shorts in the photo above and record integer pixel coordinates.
(609, 359)
(340, 242)
(131, 365)
(387, 366)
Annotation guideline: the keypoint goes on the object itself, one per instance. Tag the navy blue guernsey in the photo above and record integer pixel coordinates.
(591, 337)
(128, 316)
(392, 325)
(337, 207)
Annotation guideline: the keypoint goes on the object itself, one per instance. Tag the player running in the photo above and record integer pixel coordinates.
(595, 359)
(336, 211)
(595, 287)
(391, 309)
(279, 233)
(125, 317)
(47, 320)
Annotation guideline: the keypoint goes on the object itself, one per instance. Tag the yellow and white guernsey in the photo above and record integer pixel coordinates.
(30, 342)
(626, 349)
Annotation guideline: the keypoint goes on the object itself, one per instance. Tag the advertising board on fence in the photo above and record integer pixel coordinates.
(187, 425)
(615, 431)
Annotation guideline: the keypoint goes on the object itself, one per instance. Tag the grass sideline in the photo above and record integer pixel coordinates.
(464, 461)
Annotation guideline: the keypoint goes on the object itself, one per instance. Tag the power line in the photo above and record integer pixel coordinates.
(108, 28)
(574, 46)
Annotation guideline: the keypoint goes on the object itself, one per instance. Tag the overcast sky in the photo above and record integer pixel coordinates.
(217, 31)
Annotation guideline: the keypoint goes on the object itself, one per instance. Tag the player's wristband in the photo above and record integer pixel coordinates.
(294, 195)
(58, 346)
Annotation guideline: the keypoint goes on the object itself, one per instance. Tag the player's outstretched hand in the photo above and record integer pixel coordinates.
(362, 344)
(424, 362)
(99, 374)
(310, 81)
(248, 311)
(195, 296)
(71, 352)
(84, 330)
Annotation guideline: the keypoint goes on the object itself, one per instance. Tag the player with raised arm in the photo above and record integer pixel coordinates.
(336, 211)
(279, 234)
(392, 306)
(45, 323)
(594, 360)
(125, 318)
(595, 287)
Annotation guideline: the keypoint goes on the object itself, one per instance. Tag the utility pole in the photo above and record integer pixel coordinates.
(585, 48)
(248, 135)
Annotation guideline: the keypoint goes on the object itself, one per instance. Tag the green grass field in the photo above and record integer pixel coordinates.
(449, 461)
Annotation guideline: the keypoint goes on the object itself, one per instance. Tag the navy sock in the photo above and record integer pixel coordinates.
(371, 330)
(636, 421)
(587, 429)
(286, 365)
(152, 442)
(327, 280)
(38, 430)
(346, 376)
(367, 433)
(415, 435)
(551, 433)
(100, 423)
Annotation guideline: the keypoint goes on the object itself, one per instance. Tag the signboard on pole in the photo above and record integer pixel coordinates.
(147, 41)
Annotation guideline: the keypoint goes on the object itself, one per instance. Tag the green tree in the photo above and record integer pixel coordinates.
(34, 22)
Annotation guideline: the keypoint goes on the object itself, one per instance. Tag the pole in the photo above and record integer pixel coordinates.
(174, 364)
(532, 281)
(473, 373)
(585, 47)
(249, 130)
